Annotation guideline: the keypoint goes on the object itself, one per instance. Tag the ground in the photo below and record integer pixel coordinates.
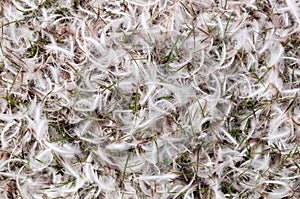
(149, 99)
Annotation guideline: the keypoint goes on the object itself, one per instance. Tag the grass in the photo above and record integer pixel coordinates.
(149, 99)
